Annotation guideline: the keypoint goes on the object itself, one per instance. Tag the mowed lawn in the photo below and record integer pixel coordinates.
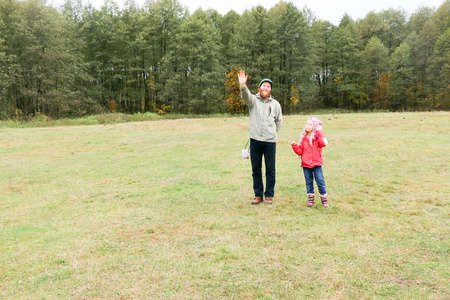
(161, 210)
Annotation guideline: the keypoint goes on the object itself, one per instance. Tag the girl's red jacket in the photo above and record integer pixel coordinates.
(311, 155)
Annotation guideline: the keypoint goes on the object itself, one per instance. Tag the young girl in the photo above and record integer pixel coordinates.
(310, 149)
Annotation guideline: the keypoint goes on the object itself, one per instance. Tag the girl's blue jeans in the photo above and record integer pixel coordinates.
(317, 174)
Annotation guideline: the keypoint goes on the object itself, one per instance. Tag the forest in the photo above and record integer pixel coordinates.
(76, 60)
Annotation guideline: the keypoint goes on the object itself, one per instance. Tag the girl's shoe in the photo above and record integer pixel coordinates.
(310, 200)
(324, 199)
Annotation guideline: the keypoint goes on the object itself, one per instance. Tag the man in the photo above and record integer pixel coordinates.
(265, 122)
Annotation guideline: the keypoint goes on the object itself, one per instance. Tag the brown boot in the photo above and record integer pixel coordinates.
(257, 200)
(268, 200)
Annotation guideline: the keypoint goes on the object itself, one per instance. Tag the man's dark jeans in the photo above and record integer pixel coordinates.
(257, 151)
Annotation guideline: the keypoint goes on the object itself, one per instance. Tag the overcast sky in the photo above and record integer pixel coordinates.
(327, 10)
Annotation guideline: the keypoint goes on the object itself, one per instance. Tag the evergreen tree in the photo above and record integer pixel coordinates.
(372, 26)
(293, 57)
(422, 51)
(321, 34)
(375, 70)
(193, 70)
(346, 65)
(227, 30)
(402, 77)
(395, 33)
(439, 71)
(164, 20)
(418, 19)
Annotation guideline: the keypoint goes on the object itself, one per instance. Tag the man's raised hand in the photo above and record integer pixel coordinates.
(242, 78)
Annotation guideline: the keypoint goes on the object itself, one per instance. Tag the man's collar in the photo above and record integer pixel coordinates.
(258, 95)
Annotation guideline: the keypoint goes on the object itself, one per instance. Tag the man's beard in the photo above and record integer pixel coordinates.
(264, 94)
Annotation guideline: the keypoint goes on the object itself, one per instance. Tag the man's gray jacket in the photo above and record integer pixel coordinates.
(265, 116)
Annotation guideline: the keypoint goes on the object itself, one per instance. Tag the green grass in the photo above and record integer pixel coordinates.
(101, 119)
(161, 210)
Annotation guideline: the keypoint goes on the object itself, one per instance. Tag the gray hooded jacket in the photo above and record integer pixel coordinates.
(265, 116)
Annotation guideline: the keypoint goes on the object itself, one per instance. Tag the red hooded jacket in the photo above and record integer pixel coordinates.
(311, 156)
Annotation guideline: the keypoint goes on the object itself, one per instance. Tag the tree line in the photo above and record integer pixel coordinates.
(77, 60)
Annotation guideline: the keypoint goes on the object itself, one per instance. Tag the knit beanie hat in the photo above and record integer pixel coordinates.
(266, 80)
(316, 122)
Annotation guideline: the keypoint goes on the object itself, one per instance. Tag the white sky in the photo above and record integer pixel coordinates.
(327, 10)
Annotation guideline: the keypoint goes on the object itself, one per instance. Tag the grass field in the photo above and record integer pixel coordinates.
(161, 210)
